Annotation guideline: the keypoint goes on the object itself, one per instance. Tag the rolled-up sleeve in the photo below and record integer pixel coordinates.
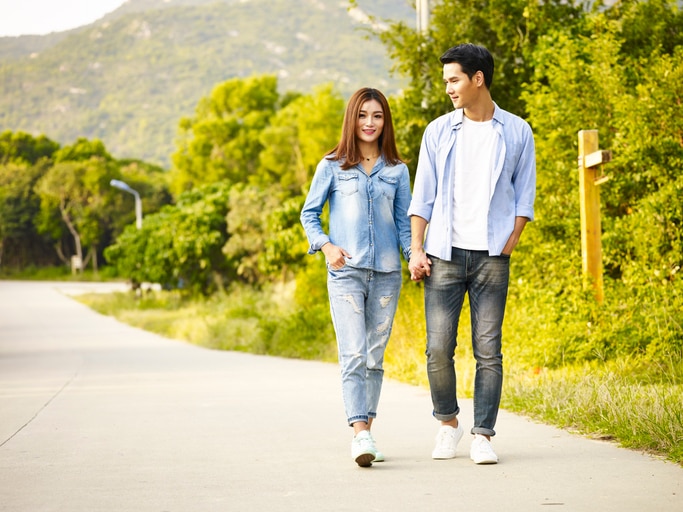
(524, 177)
(424, 187)
(401, 204)
(313, 207)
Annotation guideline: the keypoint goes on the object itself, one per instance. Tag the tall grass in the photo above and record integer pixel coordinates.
(628, 401)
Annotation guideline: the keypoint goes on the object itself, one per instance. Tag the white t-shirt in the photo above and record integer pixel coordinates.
(474, 151)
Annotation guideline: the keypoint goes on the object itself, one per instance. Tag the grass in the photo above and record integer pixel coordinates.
(628, 400)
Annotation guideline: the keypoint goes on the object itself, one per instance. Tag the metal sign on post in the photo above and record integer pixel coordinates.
(590, 178)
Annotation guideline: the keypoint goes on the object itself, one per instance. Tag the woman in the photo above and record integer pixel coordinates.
(368, 189)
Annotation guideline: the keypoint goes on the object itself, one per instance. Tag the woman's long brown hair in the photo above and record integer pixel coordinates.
(346, 149)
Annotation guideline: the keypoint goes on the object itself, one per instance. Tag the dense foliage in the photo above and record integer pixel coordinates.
(56, 202)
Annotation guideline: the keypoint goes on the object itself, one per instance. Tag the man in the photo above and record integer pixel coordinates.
(475, 187)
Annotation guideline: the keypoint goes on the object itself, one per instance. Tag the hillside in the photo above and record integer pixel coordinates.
(129, 78)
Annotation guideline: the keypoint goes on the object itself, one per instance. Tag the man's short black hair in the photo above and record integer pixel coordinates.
(472, 58)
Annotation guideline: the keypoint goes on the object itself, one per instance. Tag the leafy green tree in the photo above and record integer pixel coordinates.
(298, 136)
(82, 149)
(22, 147)
(74, 195)
(247, 219)
(221, 142)
(285, 247)
(179, 246)
(146, 254)
(19, 206)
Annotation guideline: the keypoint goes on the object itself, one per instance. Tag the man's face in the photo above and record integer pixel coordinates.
(462, 90)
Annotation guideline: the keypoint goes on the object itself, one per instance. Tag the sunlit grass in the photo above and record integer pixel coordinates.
(630, 402)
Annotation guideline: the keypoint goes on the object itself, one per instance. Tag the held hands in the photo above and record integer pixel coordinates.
(335, 256)
(419, 265)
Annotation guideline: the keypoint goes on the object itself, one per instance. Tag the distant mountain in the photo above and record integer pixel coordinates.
(129, 78)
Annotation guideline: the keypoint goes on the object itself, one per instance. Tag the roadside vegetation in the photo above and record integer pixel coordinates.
(629, 399)
(221, 232)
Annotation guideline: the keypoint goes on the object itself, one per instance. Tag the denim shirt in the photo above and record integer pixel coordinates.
(368, 214)
(513, 183)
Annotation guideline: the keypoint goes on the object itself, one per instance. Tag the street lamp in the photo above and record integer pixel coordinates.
(422, 8)
(138, 202)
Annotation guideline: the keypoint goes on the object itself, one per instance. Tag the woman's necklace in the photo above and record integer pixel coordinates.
(368, 158)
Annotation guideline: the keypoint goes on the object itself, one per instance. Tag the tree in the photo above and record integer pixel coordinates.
(19, 205)
(22, 147)
(82, 149)
(247, 221)
(222, 142)
(179, 246)
(78, 192)
(298, 136)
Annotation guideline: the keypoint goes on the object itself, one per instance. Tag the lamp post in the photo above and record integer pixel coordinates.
(422, 8)
(138, 202)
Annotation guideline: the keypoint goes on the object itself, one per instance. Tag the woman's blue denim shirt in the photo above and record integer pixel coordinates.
(513, 183)
(368, 214)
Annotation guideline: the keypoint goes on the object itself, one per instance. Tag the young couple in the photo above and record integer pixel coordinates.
(475, 189)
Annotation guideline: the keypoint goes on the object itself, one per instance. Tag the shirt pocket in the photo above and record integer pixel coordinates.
(346, 183)
(388, 186)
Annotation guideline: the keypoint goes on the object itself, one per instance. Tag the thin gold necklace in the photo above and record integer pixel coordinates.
(371, 157)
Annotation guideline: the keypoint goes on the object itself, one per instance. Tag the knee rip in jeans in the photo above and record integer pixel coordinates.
(384, 326)
(385, 301)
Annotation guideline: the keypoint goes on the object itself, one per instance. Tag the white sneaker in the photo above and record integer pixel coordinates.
(379, 456)
(482, 452)
(362, 449)
(447, 442)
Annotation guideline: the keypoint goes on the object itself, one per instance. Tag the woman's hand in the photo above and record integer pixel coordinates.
(335, 256)
(420, 265)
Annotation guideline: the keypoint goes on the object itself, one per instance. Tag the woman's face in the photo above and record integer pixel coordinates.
(370, 121)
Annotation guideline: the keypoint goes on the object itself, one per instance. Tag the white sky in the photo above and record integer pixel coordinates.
(21, 17)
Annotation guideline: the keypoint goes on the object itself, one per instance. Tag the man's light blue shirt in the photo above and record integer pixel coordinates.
(368, 213)
(513, 183)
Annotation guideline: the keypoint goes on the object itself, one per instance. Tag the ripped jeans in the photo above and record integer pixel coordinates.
(363, 304)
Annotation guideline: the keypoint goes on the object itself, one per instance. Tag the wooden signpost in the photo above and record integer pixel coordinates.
(590, 178)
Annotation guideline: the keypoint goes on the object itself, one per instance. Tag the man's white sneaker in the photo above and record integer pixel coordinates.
(362, 449)
(447, 440)
(482, 452)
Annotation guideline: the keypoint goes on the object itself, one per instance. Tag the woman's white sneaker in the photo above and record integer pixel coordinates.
(362, 449)
(379, 456)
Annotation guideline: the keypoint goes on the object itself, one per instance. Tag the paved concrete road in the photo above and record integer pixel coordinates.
(99, 416)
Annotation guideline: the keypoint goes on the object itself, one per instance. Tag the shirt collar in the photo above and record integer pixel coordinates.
(458, 114)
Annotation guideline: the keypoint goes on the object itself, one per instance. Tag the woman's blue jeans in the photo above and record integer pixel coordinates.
(363, 304)
(485, 279)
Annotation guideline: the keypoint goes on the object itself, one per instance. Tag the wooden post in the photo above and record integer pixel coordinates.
(590, 177)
